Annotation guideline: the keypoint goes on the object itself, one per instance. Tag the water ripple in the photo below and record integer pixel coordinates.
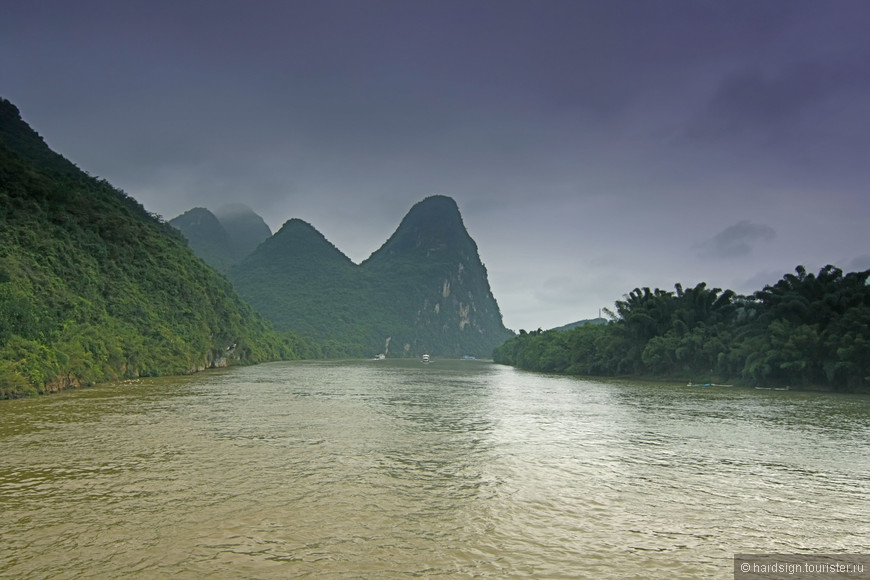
(395, 469)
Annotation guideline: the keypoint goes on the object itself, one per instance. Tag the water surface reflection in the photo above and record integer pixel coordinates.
(393, 468)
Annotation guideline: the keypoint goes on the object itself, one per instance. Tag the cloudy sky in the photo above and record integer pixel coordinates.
(592, 146)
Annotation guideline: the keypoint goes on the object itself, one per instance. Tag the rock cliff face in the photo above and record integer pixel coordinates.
(424, 291)
(439, 282)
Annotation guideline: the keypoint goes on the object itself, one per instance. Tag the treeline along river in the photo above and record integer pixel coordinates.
(373, 469)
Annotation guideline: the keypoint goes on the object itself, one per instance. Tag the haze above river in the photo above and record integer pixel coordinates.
(373, 469)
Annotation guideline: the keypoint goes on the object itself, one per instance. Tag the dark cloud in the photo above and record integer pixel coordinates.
(751, 101)
(736, 241)
(587, 143)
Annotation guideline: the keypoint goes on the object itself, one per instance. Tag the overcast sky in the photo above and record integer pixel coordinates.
(592, 146)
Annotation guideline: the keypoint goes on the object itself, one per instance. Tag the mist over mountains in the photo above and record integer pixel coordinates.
(424, 291)
(222, 238)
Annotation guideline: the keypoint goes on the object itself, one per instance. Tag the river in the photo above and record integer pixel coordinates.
(456, 469)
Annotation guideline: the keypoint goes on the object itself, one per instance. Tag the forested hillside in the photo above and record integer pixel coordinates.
(93, 287)
(804, 331)
(424, 291)
(298, 280)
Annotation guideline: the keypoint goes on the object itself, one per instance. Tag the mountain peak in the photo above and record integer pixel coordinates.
(435, 202)
(223, 237)
(205, 236)
(438, 211)
(299, 241)
(294, 224)
(195, 216)
(443, 282)
(432, 229)
(298, 279)
(424, 291)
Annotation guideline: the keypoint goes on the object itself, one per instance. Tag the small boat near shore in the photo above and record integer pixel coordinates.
(426, 359)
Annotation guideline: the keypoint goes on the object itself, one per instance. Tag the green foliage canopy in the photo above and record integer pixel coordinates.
(93, 287)
(804, 331)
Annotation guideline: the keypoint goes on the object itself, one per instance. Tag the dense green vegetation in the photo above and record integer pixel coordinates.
(425, 290)
(93, 287)
(804, 331)
(298, 280)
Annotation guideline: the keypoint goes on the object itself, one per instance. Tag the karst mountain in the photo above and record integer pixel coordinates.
(424, 291)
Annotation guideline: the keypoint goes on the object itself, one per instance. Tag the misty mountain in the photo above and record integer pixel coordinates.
(425, 290)
(93, 287)
(588, 321)
(224, 237)
(246, 229)
(206, 236)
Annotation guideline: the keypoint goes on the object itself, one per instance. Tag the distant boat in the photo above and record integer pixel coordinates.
(707, 385)
(468, 357)
(380, 357)
(426, 359)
